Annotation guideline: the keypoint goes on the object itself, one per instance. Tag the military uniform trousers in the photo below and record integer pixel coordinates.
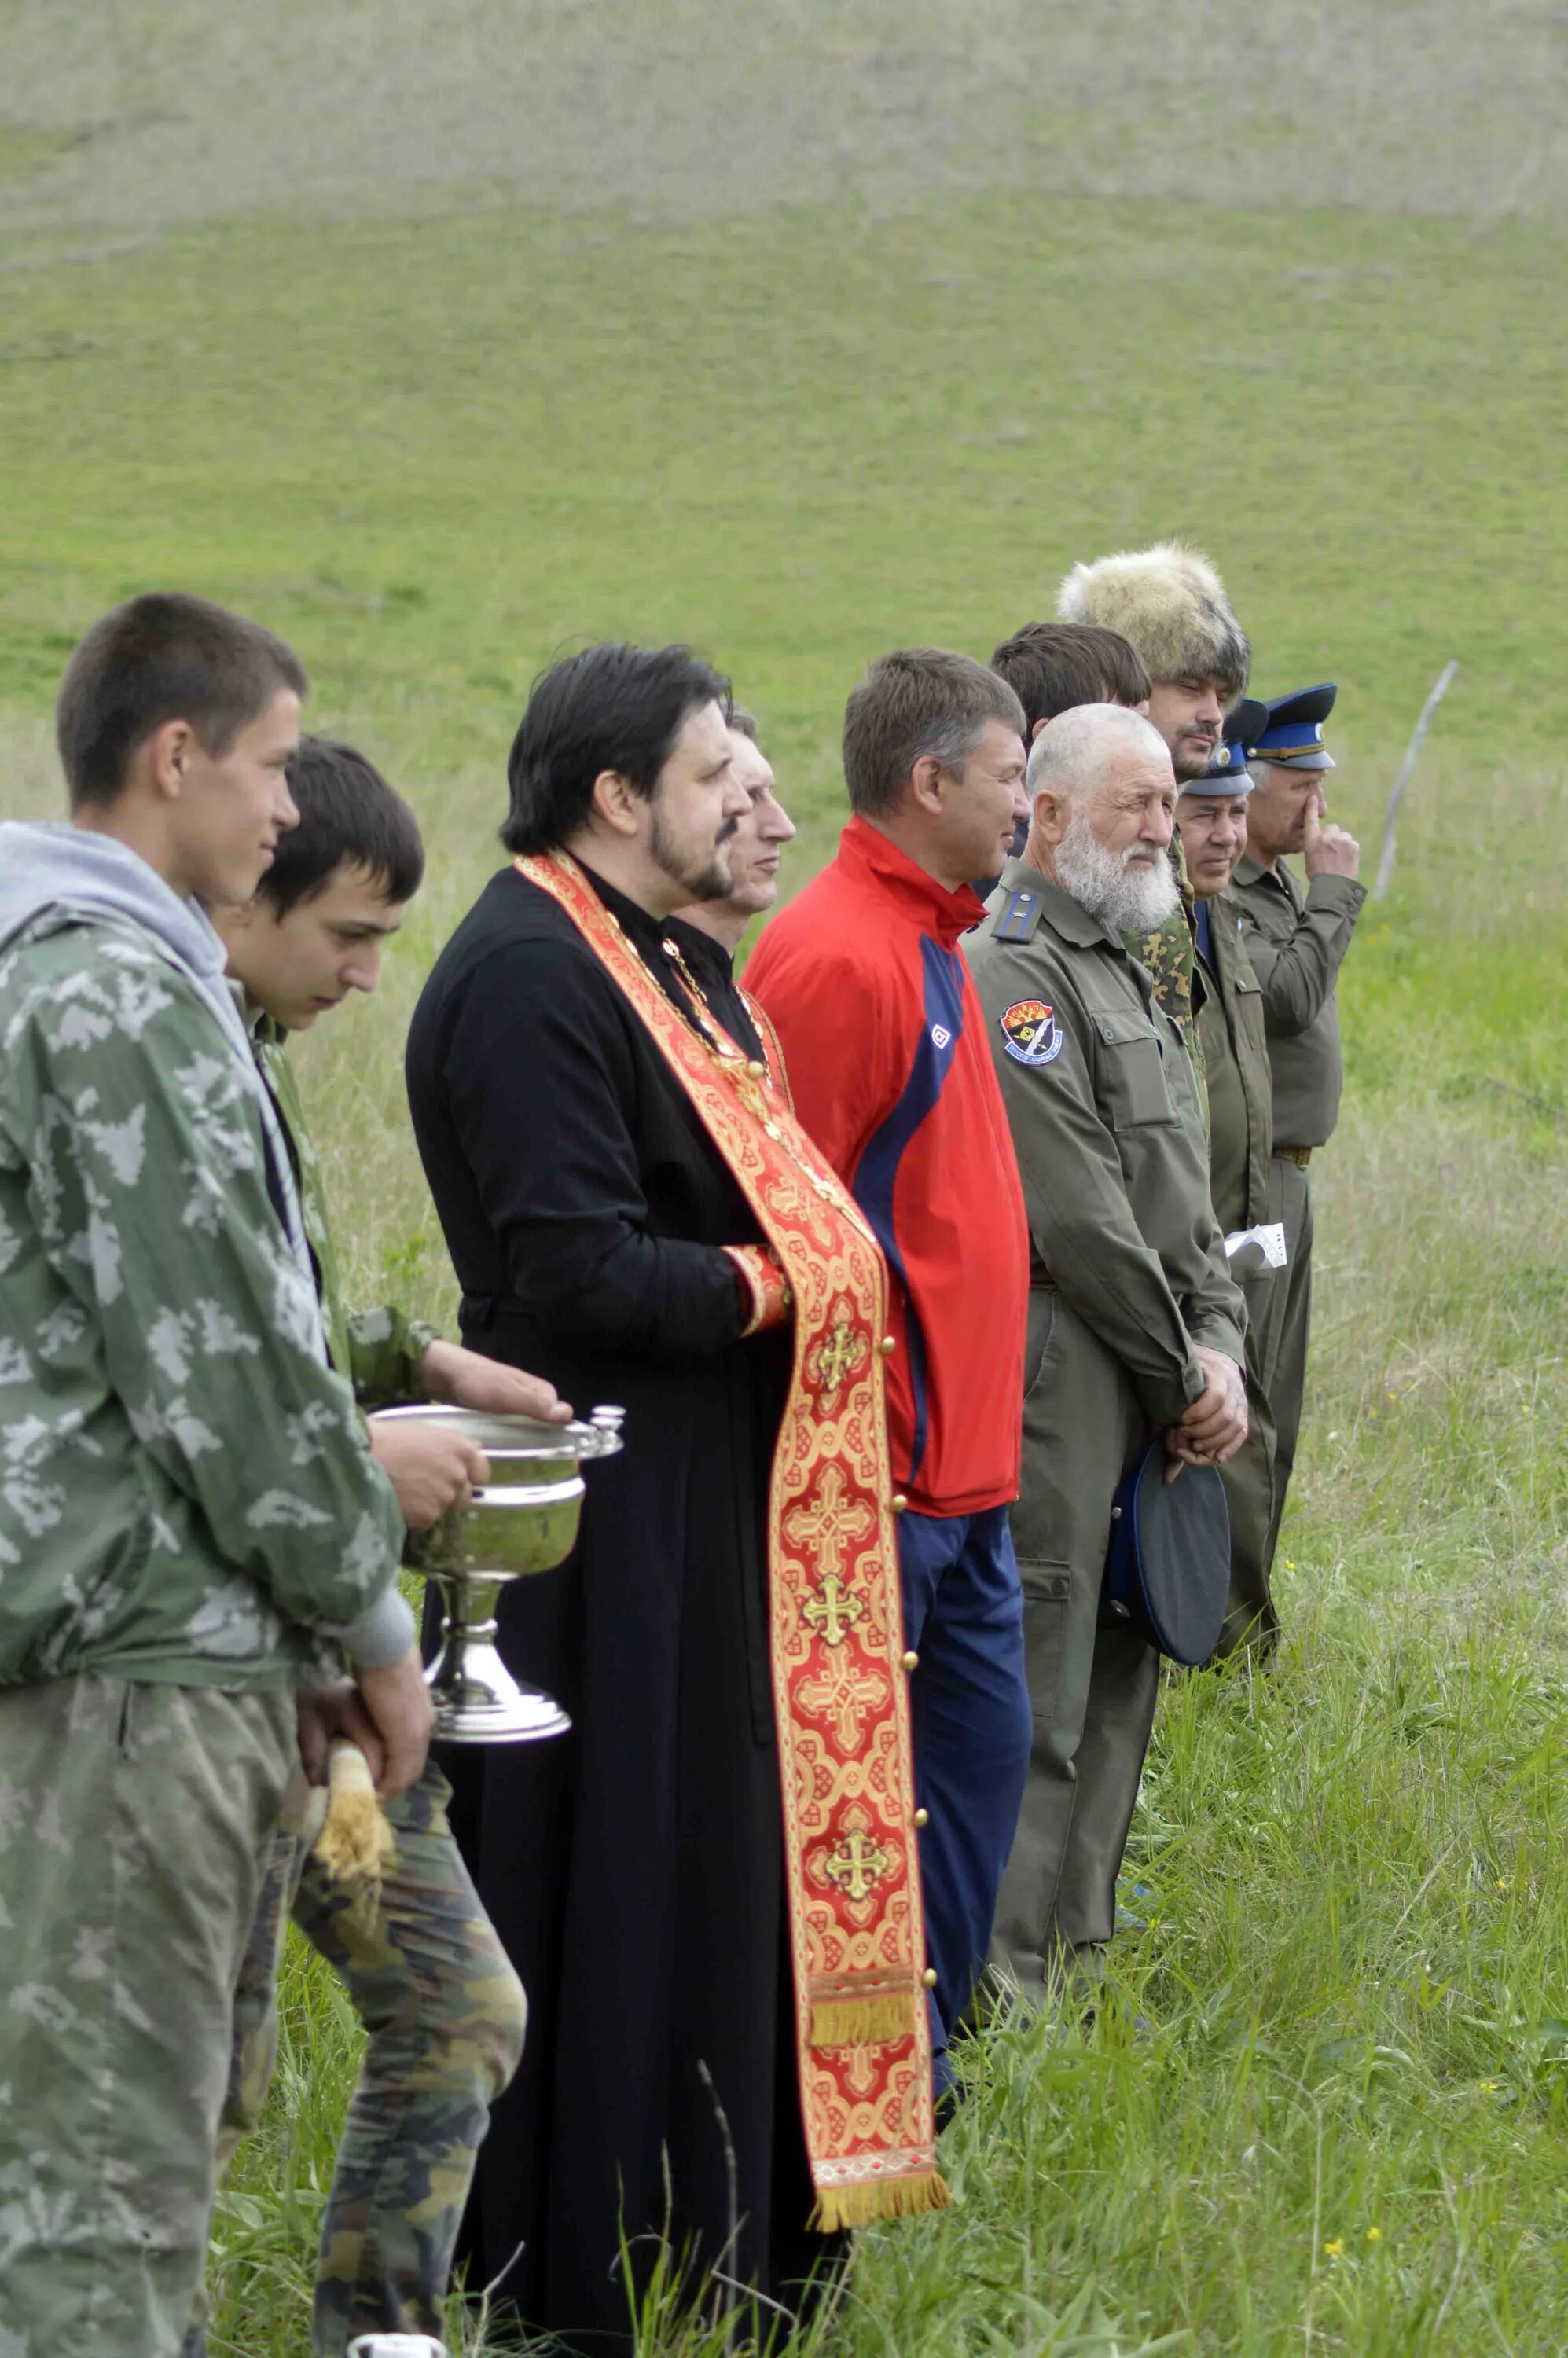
(1251, 1619)
(136, 1821)
(444, 2015)
(1283, 1351)
(970, 1719)
(1092, 1688)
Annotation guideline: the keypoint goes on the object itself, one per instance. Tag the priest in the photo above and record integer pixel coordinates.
(709, 1886)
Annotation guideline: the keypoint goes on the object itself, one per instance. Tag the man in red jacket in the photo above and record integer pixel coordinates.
(888, 1060)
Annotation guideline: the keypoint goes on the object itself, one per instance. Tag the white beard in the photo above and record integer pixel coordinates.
(1126, 900)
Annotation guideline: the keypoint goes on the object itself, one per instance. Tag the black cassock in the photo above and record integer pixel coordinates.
(634, 1868)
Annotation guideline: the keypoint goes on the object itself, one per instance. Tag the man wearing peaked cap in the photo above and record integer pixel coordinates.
(1211, 817)
(1170, 603)
(1296, 940)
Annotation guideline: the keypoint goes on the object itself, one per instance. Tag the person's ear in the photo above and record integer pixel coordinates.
(1050, 815)
(1043, 722)
(164, 758)
(926, 784)
(615, 800)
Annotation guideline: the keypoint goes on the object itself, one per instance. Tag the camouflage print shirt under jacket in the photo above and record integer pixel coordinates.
(1170, 958)
(186, 1492)
(379, 1351)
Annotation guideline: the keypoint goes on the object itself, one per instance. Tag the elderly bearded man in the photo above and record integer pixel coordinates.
(708, 1886)
(1135, 1327)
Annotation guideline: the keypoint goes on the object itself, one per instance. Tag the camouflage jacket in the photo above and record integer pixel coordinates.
(186, 1492)
(379, 1351)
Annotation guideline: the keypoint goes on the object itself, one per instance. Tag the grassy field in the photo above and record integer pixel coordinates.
(434, 434)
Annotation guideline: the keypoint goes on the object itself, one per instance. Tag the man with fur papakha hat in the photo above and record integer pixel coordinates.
(1170, 603)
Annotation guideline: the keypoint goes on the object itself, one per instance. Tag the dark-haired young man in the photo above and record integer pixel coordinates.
(191, 1524)
(1053, 667)
(708, 1887)
(885, 1044)
(428, 1978)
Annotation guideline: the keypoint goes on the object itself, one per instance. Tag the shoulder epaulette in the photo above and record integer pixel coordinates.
(1016, 921)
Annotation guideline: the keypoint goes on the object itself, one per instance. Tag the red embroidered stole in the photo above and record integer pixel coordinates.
(840, 1694)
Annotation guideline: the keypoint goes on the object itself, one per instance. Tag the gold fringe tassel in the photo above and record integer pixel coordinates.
(355, 1845)
(861, 2022)
(887, 2198)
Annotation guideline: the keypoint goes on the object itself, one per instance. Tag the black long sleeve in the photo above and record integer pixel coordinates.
(562, 1154)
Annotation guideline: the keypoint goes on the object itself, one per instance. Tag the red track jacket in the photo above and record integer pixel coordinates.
(885, 1042)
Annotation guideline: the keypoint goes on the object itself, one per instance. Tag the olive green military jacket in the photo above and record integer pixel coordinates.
(1103, 1110)
(1296, 941)
(1234, 1033)
(379, 1351)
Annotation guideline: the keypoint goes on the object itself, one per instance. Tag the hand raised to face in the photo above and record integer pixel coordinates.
(1327, 850)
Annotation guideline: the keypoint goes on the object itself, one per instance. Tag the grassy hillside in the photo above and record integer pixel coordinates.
(434, 436)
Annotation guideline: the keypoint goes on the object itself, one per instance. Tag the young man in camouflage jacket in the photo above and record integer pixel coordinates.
(443, 2010)
(191, 1524)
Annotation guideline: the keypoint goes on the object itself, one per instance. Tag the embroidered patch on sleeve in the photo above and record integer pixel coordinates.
(1031, 1031)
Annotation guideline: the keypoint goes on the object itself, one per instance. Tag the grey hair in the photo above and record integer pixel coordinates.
(1067, 755)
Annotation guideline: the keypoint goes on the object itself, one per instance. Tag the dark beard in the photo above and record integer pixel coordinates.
(712, 882)
(1189, 767)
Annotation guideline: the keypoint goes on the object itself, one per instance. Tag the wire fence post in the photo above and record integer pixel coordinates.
(1386, 864)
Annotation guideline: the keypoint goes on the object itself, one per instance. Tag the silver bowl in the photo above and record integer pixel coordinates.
(522, 1521)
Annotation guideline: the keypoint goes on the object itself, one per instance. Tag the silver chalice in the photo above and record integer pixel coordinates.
(522, 1521)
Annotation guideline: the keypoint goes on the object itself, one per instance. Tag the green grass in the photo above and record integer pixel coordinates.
(433, 451)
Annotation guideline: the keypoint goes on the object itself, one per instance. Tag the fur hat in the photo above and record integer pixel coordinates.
(1170, 603)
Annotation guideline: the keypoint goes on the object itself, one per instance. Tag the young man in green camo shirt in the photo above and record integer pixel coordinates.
(442, 2007)
(192, 1527)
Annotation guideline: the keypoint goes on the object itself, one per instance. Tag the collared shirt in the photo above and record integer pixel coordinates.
(884, 1039)
(1296, 941)
(1100, 1092)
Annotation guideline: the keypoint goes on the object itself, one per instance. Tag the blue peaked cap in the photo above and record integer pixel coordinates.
(1292, 735)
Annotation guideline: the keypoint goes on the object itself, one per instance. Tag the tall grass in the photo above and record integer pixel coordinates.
(1325, 2104)
(433, 451)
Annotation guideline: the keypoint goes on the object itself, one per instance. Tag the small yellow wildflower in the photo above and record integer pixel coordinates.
(1488, 2087)
(1334, 2248)
(1501, 1885)
(1374, 2234)
(1290, 1564)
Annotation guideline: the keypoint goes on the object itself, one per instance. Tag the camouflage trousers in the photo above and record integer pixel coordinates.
(444, 2015)
(135, 1827)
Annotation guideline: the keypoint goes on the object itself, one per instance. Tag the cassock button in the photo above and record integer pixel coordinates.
(911, 1661)
(757, 1072)
(922, 1817)
(898, 1503)
(771, 1129)
(887, 1346)
(929, 1977)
